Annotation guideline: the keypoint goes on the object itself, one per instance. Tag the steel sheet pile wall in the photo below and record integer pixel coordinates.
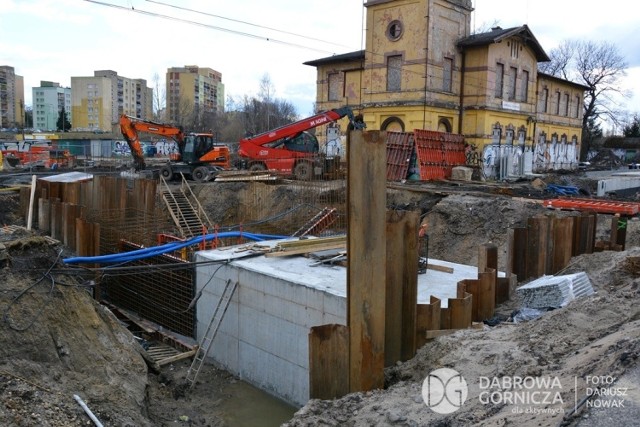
(105, 215)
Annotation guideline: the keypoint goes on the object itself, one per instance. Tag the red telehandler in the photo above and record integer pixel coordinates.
(290, 149)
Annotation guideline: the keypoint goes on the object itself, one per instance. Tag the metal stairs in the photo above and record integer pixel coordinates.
(212, 330)
(185, 209)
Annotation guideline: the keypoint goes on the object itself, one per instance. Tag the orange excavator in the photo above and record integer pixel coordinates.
(199, 155)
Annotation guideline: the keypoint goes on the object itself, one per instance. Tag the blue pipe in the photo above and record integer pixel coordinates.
(167, 247)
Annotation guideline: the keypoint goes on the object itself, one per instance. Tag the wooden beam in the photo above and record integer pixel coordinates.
(562, 236)
(366, 248)
(401, 285)
(537, 236)
(328, 361)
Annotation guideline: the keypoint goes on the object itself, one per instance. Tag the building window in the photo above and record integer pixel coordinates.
(566, 104)
(557, 103)
(394, 72)
(496, 134)
(515, 47)
(513, 75)
(394, 30)
(577, 111)
(392, 124)
(544, 100)
(444, 125)
(522, 135)
(509, 135)
(524, 90)
(334, 87)
(499, 79)
(447, 74)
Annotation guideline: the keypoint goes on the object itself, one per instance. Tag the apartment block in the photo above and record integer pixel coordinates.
(49, 99)
(193, 91)
(11, 98)
(98, 101)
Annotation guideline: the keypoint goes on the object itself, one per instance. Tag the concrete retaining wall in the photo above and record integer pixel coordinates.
(263, 338)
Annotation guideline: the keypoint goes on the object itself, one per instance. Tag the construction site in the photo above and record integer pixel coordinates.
(251, 298)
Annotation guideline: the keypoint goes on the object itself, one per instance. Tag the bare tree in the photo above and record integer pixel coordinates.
(159, 99)
(600, 67)
(251, 115)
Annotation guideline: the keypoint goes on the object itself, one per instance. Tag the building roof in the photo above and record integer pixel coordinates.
(560, 79)
(358, 55)
(497, 34)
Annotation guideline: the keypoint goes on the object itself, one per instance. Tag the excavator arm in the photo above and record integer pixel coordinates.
(131, 126)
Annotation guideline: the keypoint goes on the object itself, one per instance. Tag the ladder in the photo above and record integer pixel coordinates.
(212, 330)
(318, 223)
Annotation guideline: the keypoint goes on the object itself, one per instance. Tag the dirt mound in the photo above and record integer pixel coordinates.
(57, 342)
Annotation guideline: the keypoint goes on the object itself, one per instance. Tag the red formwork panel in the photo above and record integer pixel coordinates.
(399, 149)
(438, 153)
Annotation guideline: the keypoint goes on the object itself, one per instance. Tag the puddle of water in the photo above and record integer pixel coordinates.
(248, 406)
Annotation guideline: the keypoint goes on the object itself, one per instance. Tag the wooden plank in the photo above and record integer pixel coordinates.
(588, 231)
(562, 235)
(56, 219)
(427, 319)
(618, 231)
(366, 216)
(328, 361)
(460, 309)
(537, 236)
(445, 317)
(517, 251)
(175, 358)
(44, 215)
(504, 287)
(401, 285)
(441, 268)
(487, 262)
(306, 246)
(486, 295)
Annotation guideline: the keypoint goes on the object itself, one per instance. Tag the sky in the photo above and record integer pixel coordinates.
(246, 40)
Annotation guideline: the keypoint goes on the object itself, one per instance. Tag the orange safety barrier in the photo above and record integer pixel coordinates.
(599, 206)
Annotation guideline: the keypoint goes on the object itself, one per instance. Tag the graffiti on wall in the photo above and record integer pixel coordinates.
(555, 153)
(165, 148)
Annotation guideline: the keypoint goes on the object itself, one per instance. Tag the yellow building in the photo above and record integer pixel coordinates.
(422, 69)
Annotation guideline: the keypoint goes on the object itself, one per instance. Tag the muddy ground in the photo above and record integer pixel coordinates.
(57, 342)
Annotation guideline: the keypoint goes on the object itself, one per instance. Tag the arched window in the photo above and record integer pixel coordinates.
(393, 124)
(444, 125)
(496, 134)
(509, 135)
(522, 135)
